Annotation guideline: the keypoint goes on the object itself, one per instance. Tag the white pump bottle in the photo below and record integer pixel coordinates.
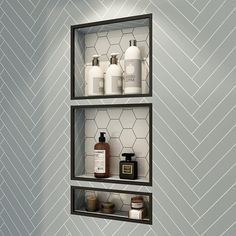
(95, 78)
(133, 69)
(113, 77)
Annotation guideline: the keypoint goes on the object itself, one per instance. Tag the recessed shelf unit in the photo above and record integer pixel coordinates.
(120, 198)
(104, 38)
(128, 128)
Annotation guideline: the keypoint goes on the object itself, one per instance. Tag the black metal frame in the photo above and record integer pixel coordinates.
(107, 180)
(114, 217)
(105, 22)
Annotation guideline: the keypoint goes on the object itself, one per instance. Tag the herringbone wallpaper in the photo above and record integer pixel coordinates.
(194, 116)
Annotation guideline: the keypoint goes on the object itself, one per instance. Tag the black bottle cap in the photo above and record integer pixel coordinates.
(95, 61)
(128, 156)
(113, 59)
(102, 138)
(132, 42)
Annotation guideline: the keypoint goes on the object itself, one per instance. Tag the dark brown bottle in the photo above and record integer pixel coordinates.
(102, 158)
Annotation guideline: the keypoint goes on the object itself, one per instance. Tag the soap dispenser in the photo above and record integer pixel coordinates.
(133, 69)
(128, 168)
(113, 77)
(95, 78)
(102, 158)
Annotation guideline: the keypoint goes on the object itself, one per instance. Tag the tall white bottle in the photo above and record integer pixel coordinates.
(133, 69)
(113, 77)
(95, 78)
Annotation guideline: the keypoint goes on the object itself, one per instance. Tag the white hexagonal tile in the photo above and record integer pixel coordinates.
(115, 147)
(114, 166)
(89, 193)
(115, 198)
(115, 49)
(143, 47)
(121, 63)
(145, 87)
(145, 70)
(102, 33)
(89, 164)
(114, 36)
(141, 33)
(102, 196)
(127, 138)
(127, 30)
(143, 167)
(141, 112)
(125, 207)
(126, 198)
(102, 45)
(141, 128)
(126, 150)
(127, 118)
(89, 146)
(147, 60)
(104, 59)
(124, 43)
(90, 128)
(89, 52)
(102, 119)
(90, 39)
(107, 136)
(114, 113)
(141, 147)
(114, 128)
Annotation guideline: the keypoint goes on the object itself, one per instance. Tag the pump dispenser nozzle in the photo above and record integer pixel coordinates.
(95, 61)
(133, 42)
(113, 59)
(128, 156)
(102, 138)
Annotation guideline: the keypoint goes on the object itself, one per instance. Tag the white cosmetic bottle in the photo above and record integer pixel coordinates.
(95, 78)
(133, 69)
(113, 77)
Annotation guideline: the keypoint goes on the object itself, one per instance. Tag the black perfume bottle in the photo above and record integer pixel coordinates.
(128, 168)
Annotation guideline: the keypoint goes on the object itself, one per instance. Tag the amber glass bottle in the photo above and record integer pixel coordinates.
(102, 158)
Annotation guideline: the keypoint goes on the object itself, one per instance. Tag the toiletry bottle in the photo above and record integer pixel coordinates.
(133, 69)
(95, 78)
(128, 168)
(113, 83)
(101, 158)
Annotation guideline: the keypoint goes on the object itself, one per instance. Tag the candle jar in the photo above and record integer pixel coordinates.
(91, 203)
(137, 202)
(107, 207)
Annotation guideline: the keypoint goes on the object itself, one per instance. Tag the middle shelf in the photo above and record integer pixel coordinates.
(128, 128)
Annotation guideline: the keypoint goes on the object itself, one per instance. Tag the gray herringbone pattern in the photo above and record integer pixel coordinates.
(194, 117)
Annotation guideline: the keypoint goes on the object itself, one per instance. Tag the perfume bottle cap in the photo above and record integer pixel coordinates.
(113, 59)
(128, 156)
(133, 42)
(95, 61)
(102, 137)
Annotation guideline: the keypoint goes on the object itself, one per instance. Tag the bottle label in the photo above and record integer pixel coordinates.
(133, 73)
(116, 84)
(98, 85)
(127, 169)
(100, 161)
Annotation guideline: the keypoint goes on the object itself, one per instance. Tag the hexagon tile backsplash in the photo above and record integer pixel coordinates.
(117, 41)
(127, 130)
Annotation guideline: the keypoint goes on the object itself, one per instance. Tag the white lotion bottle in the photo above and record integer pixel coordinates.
(113, 77)
(133, 69)
(95, 78)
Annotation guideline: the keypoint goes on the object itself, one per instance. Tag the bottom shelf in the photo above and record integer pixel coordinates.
(121, 200)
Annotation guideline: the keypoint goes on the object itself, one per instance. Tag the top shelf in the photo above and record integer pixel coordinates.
(104, 38)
